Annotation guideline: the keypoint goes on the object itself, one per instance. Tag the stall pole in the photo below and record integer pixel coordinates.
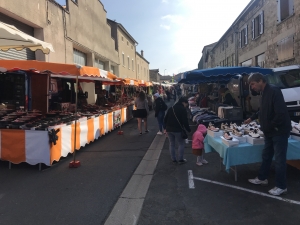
(120, 132)
(74, 163)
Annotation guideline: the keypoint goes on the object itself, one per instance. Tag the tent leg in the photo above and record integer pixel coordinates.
(9, 165)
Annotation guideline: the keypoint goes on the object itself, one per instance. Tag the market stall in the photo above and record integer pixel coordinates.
(32, 124)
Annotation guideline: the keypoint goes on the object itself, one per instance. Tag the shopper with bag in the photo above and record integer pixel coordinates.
(160, 108)
(176, 124)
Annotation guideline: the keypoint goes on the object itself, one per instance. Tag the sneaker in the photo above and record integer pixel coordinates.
(203, 161)
(277, 191)
(174, 161)
(183, 161)
(146, 131)
(258, 181)
(199, 164)
(141, 133)
(159, 132)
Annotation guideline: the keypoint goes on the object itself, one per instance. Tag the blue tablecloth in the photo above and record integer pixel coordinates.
(245, 153)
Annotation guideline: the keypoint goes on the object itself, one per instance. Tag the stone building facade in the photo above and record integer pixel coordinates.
(154, 75)
(79, 32)
(265, 34)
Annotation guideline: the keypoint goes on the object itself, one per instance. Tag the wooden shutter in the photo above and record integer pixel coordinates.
(291, 7)
(253, 29)
(246, 35)
(261, 22)
(278, 12)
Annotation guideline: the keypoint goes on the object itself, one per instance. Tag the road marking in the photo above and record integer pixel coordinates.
(248, 190)
(191, 179)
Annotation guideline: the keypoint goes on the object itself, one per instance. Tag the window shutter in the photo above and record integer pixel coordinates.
(278, 12)
(261, 22)
(291, 7)
(240, 34)
(246, 35)
(253, 28)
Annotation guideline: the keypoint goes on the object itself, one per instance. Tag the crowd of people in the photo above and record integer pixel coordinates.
(273, 117)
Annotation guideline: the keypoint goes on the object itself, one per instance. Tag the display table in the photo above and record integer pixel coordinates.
(244, 153)
(33, 147)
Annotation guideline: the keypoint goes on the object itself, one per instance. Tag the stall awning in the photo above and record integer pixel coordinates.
(12, 38)
(219, 74)
(57, 69)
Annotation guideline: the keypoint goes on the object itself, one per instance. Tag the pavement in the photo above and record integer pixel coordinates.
(130, 179)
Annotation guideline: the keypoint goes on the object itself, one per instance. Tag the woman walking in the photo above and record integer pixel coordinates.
(175, 121)
(141, 105)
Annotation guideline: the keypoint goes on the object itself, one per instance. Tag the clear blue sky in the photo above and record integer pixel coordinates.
(172, 33)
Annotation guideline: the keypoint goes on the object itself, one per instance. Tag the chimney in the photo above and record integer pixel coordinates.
(142, 53)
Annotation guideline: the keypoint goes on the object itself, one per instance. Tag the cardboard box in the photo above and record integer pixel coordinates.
(230, 143)
(255, 141)
(242, 139)
(214, 134)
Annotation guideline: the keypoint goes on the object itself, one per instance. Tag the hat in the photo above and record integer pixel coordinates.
(156, 95)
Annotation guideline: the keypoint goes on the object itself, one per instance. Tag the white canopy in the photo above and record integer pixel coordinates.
(12, 38)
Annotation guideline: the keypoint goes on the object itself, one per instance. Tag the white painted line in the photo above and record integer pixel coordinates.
(248, 190)
(191, 181)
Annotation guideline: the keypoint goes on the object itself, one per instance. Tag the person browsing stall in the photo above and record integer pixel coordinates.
(198, 145)
(276, 125)
(160, 108)
(175, 120)
(142, 109)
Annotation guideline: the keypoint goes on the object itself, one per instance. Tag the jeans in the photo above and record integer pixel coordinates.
(181, 144)
(160, 120)
(275, 146)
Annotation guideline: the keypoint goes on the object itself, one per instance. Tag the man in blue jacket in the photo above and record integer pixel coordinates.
(276, 125)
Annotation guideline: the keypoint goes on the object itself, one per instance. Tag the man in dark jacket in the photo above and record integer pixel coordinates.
(175, 120)
(276, 125)
(160, 108)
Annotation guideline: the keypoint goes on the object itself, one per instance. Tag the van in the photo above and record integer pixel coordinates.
(286, 78)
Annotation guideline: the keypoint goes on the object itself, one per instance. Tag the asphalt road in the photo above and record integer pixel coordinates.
(87, 195)
(84, 195)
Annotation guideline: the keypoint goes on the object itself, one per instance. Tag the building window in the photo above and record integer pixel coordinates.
(112, 69)
(128, 62)
(223, 46)
(232, 38)
(247, 63)
(122, 38)
(131, 46)
(232, 60)
(123, 59)
(258, 25)
(285, 8)
(285, 49)
(260, 60)
(127, 43)
(132, 64)
(79, 57)
(76, 1)
(138, 69)
(244, 37)
(99, 64)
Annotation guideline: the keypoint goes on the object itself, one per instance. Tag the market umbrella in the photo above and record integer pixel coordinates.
(12, 38)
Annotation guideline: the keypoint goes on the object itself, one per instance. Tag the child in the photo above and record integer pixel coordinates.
(197, 144)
